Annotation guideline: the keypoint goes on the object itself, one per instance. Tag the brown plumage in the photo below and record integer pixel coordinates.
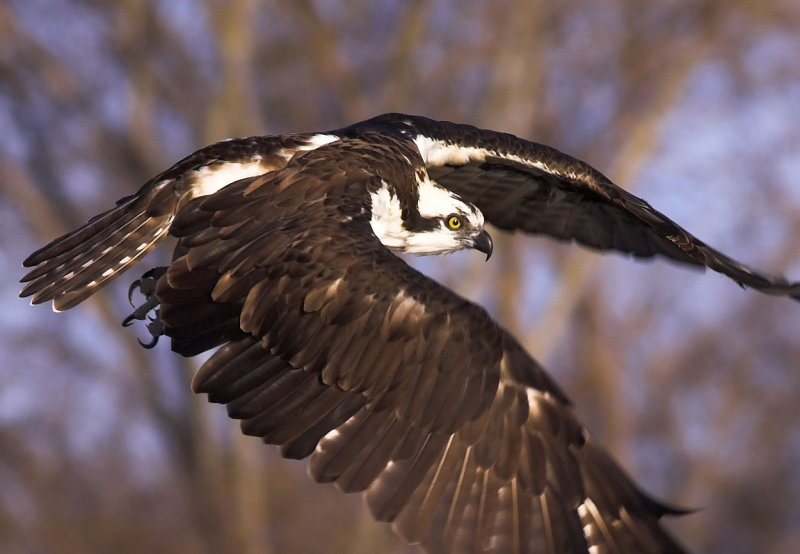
(333, 347)
(453, 431)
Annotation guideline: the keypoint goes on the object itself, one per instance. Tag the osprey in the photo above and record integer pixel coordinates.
(333, 347)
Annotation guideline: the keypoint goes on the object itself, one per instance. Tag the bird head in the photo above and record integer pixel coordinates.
(434, 221)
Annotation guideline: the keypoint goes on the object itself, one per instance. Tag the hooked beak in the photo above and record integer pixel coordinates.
(482, 242)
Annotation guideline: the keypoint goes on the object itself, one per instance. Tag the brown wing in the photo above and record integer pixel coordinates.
(526, 477)
(392, 383)
(530, 187)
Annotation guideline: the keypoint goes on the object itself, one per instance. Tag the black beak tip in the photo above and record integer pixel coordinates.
(483, 243)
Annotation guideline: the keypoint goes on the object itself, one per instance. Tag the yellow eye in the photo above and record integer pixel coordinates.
(453, 222)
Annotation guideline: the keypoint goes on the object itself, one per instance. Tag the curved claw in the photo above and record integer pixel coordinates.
(150, 344)
(136, 284)
(156, 329)
(146, 286)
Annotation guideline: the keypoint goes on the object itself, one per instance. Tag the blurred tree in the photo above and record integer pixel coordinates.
(692, 385)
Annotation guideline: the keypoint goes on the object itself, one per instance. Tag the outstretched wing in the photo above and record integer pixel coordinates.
(522, 185)
(393, 384)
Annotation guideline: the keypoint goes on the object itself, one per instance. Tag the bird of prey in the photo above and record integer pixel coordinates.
(331, 346)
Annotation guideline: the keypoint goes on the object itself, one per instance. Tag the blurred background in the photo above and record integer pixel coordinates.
(692, 383)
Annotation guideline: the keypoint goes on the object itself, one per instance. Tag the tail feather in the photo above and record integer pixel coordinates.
(84, 257)
(116, 254)
(79, 237)
(74, 266)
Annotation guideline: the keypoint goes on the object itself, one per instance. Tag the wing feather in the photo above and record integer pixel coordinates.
(349, 442)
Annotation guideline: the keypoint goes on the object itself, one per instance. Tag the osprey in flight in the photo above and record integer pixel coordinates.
(333, 347)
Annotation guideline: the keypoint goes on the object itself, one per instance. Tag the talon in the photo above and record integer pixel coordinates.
(132, 288)
(156, 327)
(150, 344)
(147, 287)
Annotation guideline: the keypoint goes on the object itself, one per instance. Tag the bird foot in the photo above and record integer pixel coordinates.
(146, 285)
